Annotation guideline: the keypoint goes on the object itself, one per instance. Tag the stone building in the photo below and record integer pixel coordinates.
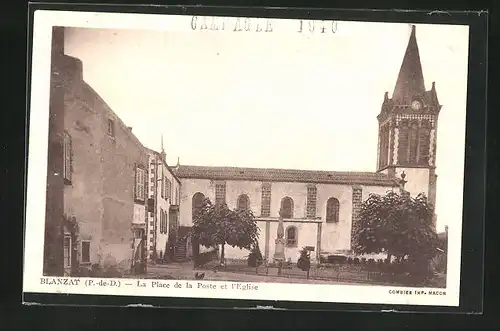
(101, 170)
(320, 207)
(408, 127)
(163, 206)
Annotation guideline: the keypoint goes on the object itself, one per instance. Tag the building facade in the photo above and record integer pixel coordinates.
(163, 205)
(408, 127)
(318, 206)
(103, 170)
(321, 207)
(117, 203)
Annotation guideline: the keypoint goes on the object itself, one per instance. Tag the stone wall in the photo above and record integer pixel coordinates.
(157, 233)
(333, 236)
(53, 239)
(101, 192)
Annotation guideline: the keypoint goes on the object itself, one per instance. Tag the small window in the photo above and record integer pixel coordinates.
(332, 210)
(161, 220)
(162, 188)
(140, 175)
(85, 251)
(168, 189)
(161, 223)
(287, 207)
(165, 223)
(111, 127)
(197, 203)
(67, 251)
(291, 236)
(243, 202)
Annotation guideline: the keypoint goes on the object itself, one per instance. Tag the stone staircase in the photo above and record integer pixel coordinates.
(180, 252)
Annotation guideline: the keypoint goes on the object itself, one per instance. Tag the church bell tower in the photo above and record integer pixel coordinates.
(408, 127)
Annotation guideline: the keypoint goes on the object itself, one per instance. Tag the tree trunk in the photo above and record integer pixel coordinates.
(389, 257)
(222, 259)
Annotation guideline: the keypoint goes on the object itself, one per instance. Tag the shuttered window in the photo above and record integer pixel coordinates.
(140, 175)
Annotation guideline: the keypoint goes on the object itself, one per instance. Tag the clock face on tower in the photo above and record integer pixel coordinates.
(416, 105)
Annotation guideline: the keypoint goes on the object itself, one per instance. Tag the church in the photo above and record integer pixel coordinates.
(320, 207)
(137, 208)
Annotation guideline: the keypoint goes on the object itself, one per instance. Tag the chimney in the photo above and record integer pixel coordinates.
(58, 40)
(130, 128)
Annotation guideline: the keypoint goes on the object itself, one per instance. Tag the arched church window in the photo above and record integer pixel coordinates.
(332, 210)
(384, 146)
(413, 143)
(243, 202)
(197, 202)
(291, 236)
(287, 207)
(424, 142)
(404, 132)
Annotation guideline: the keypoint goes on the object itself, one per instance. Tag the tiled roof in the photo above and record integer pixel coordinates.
(284, 175)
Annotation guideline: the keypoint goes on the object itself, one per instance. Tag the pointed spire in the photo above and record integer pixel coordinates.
(163, 154)
(178, 163)
(410, 82)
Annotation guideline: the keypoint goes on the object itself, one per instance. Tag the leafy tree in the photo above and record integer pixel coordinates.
(216, 224)
(398, 224)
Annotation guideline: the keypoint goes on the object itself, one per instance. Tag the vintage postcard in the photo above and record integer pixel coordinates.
(246, 158)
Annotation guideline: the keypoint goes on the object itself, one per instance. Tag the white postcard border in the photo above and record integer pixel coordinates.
(36, 194)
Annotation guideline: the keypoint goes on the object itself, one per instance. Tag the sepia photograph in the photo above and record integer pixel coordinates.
(252, 158)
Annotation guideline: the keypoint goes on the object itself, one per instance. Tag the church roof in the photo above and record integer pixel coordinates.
(410, 85)
(410, 80)
(285, 175)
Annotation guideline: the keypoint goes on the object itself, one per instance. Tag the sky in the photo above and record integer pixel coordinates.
(277, 100)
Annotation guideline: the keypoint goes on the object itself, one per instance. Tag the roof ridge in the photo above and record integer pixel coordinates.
(281, 169)
(285, 175)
